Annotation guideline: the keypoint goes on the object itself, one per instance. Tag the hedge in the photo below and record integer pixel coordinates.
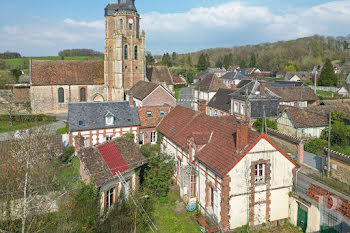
(28, 118)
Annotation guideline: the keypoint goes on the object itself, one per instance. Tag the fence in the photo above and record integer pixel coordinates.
(321, 88)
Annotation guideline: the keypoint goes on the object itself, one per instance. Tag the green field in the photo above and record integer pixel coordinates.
(23, 63)
(327, 93)
(6, 127)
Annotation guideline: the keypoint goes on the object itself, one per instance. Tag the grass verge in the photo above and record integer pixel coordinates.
(5, 126)
(69, 176)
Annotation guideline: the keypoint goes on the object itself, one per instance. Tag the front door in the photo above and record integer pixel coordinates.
(302, 217)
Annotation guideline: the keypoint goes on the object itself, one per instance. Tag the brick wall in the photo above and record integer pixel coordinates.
(159, 97)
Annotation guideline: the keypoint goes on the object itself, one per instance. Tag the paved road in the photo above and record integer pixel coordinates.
(51, 129)
(186, 97)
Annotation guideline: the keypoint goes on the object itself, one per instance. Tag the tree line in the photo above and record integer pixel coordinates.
(80, 53)
(10, 55)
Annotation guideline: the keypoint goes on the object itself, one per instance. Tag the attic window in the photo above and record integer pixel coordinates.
(81, 123)
(109, 120)
(149, 114)
(161, 112)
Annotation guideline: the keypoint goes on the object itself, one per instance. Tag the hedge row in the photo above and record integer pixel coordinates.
(28, 118)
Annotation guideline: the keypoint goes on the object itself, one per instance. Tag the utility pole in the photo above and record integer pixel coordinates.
(329, 145)
(315, 81)
(263, 121)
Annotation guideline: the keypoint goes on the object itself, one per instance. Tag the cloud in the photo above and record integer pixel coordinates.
(224, 25)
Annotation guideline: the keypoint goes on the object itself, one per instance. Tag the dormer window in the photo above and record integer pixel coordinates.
(161, 112)
(109, 119)
(149, 114)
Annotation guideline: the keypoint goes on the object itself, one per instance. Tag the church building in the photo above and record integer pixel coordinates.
(54, 84)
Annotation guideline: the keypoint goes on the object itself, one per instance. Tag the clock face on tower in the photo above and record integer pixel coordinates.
(131, 21)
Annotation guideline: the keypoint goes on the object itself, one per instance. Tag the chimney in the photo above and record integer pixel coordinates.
(241, 136)
(203, 106)
(79, 142)
(262, 88)
(131, 100)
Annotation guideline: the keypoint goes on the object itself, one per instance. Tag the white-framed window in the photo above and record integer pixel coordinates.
(149, 114)
(109, 120)
(153, 137)
(110, 198)
(162, 113)
(141, 138)
(108, 139)
(86, 142)
(242, 109)
(236, 107)
(259, 173)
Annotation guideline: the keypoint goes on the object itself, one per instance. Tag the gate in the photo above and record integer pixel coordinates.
(302, 217)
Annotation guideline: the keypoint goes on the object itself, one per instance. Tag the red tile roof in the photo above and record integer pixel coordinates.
(218, 133)
(152, 122)
(178, 79)
(315, 192)
(113, 158)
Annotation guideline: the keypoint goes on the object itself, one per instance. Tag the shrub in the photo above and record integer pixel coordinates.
(315, 146)
(67, 153)
(129, 135)
(270, 124)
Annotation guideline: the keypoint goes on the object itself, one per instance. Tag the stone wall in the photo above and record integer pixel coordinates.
(44, 99)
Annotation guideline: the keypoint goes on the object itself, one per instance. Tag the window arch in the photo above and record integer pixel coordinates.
(60, 95)
(126, 52)
(83, 94)
(136, 52)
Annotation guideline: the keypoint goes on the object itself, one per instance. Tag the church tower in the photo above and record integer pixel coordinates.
(124, 63)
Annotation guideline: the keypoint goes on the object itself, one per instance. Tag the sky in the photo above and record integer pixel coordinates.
(43, 28)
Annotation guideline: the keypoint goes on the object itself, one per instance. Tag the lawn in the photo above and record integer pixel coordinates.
(171, 216)
(5, 125)
(23, 63)
(286, 228)
(327, 93)
(177, 92)
(69, 176)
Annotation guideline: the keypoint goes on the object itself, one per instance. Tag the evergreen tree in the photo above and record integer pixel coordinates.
(252, 60)
(149, 59)
(228, 60)
(220, 62)
(166, 60)
(174, 56)
(207, 60)
(328, 77)
(202, 62)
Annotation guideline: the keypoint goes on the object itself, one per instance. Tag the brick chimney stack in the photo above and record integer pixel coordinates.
(131, 100)
(241, 136)
(79, 142)
(203, 106)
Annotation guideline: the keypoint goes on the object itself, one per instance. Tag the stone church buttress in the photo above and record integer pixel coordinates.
(124, 63)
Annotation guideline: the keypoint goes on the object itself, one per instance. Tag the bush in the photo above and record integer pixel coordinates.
(28, 118)
(68, 152)
(180, 86)
(129, 135)
(270, 124)
(315, 146)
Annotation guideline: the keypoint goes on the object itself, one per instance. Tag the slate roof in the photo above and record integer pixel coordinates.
(243, 83)
(234, 76)
(159, 74)
(104, 161)
(219, 153)
(282, 83)
(254, 92)
(122, 5)
(46, 73)
(200, 76)
(210, 83)
(152, 122)
(221, 100)
(297, 93)
(142, 89)
(92, 115)
(314, 116)
(301, 74)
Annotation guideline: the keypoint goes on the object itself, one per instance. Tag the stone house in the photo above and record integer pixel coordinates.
(151, 94)
(259, 97)
(55, 84)
(149, 119)
(96, 123)
(298, 76)
(102, 164)
(239, 177)
(344, 91)
(307, 122)
(160, 75)
(232, 79)
(205, 90)
(220, 104)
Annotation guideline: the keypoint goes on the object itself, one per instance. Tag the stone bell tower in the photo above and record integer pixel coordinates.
(124, 63)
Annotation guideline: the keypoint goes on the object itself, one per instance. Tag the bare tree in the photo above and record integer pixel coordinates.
(28, 175)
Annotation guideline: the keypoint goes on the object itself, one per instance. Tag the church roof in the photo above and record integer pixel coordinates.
(122, 5)
(46, 73)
